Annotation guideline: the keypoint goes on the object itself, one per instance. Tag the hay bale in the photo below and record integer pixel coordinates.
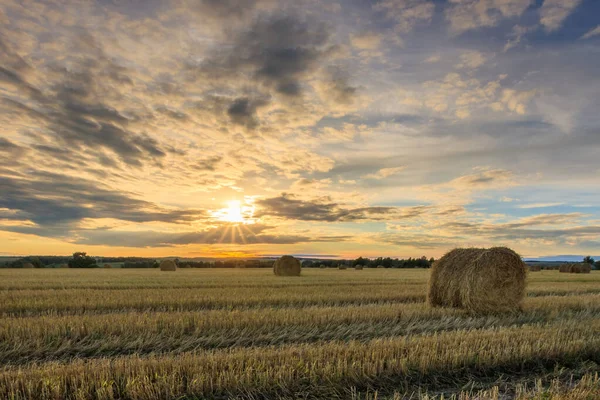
(534, 268)
(380, 266)
(358, 267)
(581, 268)
(287, 266)
(28, 265)
(341, 267)
(107, 266)
(168, 265)
(322, 266)
(478, 280)
(565, 268)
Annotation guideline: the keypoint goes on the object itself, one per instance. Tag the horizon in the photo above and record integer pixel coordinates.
(220, 129)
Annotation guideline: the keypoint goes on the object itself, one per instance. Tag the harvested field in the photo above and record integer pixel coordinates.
(141, 334)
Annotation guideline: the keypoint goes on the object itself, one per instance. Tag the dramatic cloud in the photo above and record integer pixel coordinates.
(47, 199)
(391, 127)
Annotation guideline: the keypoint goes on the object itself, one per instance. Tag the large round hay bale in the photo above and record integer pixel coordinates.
(28, 265)
(341, 267)
(358, 267)
(168, 265)
(478, 280)
(287, 266)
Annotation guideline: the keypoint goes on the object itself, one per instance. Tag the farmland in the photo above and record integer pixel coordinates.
(244, 333)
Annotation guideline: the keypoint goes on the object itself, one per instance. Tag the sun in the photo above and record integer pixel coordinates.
(237, 212)
(233, 212)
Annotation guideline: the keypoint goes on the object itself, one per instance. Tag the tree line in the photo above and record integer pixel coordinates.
(82, 260)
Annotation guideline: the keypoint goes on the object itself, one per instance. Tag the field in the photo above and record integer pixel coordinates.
(236, 333)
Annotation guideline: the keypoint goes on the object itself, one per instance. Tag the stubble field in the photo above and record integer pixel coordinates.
(244, 333)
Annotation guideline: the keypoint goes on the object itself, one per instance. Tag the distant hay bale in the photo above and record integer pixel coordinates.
(107, 266)
(28, 265)
(358, 267)
(581, 268)
(168, 265)
(341, 266)
(322, 266)
(565, 268)
(478, 280)
(380, 266)
(535, 268)
(287, 266)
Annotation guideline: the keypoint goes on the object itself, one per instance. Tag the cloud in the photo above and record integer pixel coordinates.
(554, 12)
(591, 33)
(514, 100)
(384, 173)
(48, 199)
(471, 60)
(482, 179)
(539, 205)
(243, 110)
(407, 14)
(466, 15)
(224, 234)
(366, 40)
(281, 51)
(287, 206)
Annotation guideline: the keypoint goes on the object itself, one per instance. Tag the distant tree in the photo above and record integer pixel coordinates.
(360, 261)
(597, 265)
(588, 260)
(82, 260)
(36, 262)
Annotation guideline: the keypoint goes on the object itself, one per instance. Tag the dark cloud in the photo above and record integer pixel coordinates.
(288, 207)
(243, 111)
(10, 151)
(50, 199)
(208, 164)
(339, 89)
(280, 51)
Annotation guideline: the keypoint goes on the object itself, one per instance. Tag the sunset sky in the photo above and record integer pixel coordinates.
(261, 127)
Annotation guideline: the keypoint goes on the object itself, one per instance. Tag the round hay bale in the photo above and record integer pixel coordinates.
(28, 265)
(565, 268)
(168, 265)
(581, 268)
(322, 266)
(287, 266)
(478, 280)
(535, 268)
(358, 267)
(341, 267)
(107, 266)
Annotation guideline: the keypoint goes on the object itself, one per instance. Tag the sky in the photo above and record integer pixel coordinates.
(220, 128)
